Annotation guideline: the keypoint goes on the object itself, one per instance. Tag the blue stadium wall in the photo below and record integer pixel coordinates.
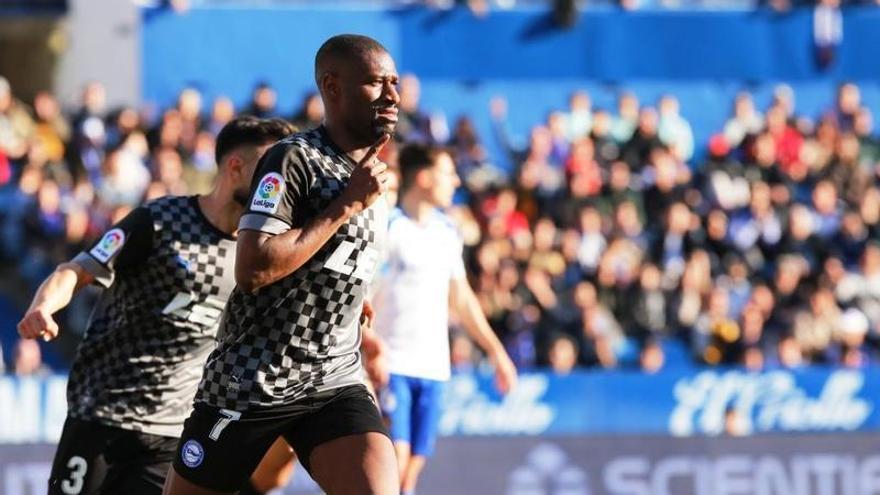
(808, 431)
(702, 57)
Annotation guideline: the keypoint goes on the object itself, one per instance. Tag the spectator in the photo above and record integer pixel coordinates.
(263, 101)
(601, 333)
(848, 104)
(651, 357)
(745, 121)
(674, 130)
(222, 111)
(93, 105)
(462, 353)
(604, 142)
(814, 327)
(649, 310)
(414, 124)
(311, 112)
(644, 140)
(579, 119)
(471, 158)
(16, 124)
(189, 106)
(52, 130)
(562, 355)
(627, 117)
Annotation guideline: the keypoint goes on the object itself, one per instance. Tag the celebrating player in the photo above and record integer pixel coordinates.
(287, 362)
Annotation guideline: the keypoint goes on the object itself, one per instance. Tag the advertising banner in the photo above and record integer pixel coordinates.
(678, 403)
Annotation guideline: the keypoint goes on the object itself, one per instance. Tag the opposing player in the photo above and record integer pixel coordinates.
(287, 362)
(425, 270)
(167, 270)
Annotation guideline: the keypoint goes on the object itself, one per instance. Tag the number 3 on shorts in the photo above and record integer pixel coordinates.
(78, 469)
(228, 417)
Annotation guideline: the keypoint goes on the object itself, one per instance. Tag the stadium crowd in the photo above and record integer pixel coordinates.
(606, 244)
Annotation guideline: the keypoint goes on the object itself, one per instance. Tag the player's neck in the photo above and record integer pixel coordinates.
(415, 207)
(222, 212)
(347, 143)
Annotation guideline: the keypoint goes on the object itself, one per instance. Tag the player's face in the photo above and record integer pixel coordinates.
(445, 180)
(371, 97)
(249, 155)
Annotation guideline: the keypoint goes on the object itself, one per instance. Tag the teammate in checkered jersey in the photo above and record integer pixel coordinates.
(167, 270)
(287, 362)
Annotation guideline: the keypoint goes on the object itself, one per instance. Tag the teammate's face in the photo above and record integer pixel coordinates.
(370, 96)
(249, 155)
(444, 180)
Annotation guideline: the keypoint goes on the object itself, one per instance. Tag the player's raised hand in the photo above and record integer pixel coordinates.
(38, 322)
(505, 373)
(369, 179)
(373, 349)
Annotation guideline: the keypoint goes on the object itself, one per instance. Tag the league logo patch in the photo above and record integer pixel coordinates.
(192, 454)
(268, 194)
(109, 245)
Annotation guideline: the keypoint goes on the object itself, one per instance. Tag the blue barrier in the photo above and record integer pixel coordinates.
(673, 402)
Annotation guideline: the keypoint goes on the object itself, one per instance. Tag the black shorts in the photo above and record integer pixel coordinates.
(98, 459)
(219, 448)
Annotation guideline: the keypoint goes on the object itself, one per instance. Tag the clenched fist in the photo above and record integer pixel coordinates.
(38, 322)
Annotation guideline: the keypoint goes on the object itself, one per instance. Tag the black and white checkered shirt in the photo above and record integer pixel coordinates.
(168, 273)
(299, 335)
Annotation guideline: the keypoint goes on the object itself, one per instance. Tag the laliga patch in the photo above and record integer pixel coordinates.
(192, 454)
(267, 197)
(109, 245)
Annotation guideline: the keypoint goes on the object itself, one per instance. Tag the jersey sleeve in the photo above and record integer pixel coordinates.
(126, 245)
(280, 186)
(457, 271)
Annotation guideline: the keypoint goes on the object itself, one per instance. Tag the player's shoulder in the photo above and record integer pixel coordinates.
(444, 222)
(164, 206)
(308, 140)
(396, 216)
(299, 149)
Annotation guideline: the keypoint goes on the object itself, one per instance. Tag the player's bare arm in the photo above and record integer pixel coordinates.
(373, 349)
(466, 305)
(263, 258)
(53, 294)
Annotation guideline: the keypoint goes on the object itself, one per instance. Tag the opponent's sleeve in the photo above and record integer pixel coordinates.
(126, 245)
(280, 187)
(456, 262)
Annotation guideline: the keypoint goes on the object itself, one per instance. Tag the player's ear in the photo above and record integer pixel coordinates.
(424, 178)
(234, 165)
(330, 84)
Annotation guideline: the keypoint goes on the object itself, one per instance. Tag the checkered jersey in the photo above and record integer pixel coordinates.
(167, 273)
(299, 335)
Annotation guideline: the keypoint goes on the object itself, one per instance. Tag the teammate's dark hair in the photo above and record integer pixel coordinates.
(250, 131)
(414, 158)
(345, 47)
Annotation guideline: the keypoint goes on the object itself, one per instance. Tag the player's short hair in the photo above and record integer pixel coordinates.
(250, 131)
(345, 47)
(414, 158)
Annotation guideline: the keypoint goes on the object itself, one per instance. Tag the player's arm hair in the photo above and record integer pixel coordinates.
(465, 303)
(53, 294)
(59, 287)
(263, 259)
